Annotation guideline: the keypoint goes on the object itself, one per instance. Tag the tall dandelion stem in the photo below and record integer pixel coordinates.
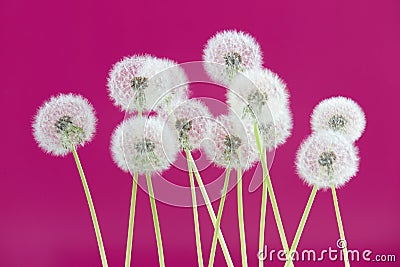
(219, 216)
(340, 225)
(211, 212)
(195, 213)
(241, 217)
(91, 208)
(300, 228)
(155, 220)
(132, 214)
(271, 194)
(131, 221)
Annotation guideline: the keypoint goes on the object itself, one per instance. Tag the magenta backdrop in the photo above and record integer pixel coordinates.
(320, 48)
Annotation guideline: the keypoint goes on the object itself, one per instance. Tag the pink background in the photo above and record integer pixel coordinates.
(320, 48)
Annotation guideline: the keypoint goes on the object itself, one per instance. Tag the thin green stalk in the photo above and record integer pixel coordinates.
(132, 213)
(219, 216)
(210, 210)
(131, 221)
(271, 194)
(302, 223)
(340, 225)
(155, 220)
(241, 217)
(195, 213)
(91, 208)
(263, 214)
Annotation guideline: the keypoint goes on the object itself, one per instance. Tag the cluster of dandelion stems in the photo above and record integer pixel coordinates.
(267, 189)
(184, 126)
(71, 135)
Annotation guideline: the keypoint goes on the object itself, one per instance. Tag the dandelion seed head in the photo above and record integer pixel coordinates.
(190, 119)
(341, 115)
(143, 81)
(144, 145)
(230, 143)
(230, 52)
(327, 158)
(62, 121)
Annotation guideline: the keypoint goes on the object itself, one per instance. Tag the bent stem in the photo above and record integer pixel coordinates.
(340, 225)
(91, 208)
(195, 213)
(210, 210)
(271, 194)
(219, 216)
(131, 221)
(155, 220)
(300, 228)
(241, 217)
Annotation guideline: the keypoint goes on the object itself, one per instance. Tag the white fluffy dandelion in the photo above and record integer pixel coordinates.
(190, 119)
(262, 96)
(230, 52)
(62, 121)
(141, 82)
(144, 145)
(339, 114)
(327, 158)
(230, 142)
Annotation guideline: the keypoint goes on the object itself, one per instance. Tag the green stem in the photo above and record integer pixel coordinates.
(241, 217)
(132, 213)
(91, 208)
(302, 223)
(340, 225)
(131, 221)
(271, 194)
(219, 216)
(210, 210)
(195, 213)
(155, 220)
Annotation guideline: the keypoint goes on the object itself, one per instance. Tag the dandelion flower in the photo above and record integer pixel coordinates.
(339, 114)
(230, 52)
(230, 143)
(327, 158)
(140, 82)
(190, 119)
(63, 121)
(262, 96)
(144, 145)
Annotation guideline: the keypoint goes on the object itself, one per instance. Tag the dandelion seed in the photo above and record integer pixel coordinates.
(144, 145)
(142, 82)
(341, 115)
(327, 158)
(230, 143)
(230, 52)
(63, 121)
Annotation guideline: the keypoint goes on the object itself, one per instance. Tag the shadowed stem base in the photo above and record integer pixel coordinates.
(91, 208)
